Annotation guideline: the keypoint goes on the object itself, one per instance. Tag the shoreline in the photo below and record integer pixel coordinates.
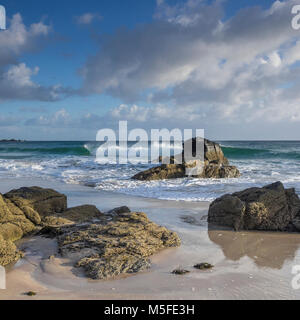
(248, 265)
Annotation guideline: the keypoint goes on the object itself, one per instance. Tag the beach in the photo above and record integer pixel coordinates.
(150, 150)
(247, 265)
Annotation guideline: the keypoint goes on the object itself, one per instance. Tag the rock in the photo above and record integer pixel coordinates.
(220, 172)
(82, 213)
(295, 224)
(212, 152)
(30, 293)
(227, 211)
(24, 210)
(203, 266)
(20, 210)
(8, 252)
(215, 165)
(14, 224)
(119, 210)
(10, 231)
(32, 215)
(122, 245)
(180, 271)
(165, 171)
(13, 221)
(55, 221)
(43, 201)
(270, 208)
(103, 245)
(74, 215)
(96, 268)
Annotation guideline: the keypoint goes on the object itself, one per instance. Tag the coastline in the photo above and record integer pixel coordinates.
(248, 265)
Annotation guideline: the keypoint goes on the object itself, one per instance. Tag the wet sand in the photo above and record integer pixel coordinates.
(248, 265)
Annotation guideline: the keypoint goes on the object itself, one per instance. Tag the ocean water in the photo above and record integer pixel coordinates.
(260, 162)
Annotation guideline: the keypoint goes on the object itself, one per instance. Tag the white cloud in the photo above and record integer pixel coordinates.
(18, 39)
(16, 79)
(61, 118)
(134, 112)
(275, 59)
(241, 69)
(20, 76)
(88, 18)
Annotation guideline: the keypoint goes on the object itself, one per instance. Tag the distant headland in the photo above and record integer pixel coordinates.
(12, 140)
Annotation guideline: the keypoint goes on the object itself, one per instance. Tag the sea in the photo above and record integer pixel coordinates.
(75, 162)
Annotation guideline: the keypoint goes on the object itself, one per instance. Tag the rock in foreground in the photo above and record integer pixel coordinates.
(215, 165)
(110, 248)
(8, 252)
(104, 245)
(21, 212)
(271, 208)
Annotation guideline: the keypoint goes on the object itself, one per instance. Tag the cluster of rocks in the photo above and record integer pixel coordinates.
(103, 244)
(121, 244)
(271, 208)
(215, 165)
(21, 211)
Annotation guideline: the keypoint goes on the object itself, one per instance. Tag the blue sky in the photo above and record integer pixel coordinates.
(229, 67)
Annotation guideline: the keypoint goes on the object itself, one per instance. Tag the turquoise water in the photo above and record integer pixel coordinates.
(260, 162)
(262, 149)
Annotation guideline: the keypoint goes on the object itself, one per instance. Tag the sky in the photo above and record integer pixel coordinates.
(228, 67)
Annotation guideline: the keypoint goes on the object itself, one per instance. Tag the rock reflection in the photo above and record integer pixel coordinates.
(266, 249)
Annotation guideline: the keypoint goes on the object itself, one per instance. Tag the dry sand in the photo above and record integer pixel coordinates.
(248, 265)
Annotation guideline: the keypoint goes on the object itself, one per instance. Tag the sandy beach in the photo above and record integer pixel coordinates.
(248, 265)
(150, 150)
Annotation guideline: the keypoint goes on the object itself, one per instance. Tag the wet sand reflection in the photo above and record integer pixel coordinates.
(266, 249)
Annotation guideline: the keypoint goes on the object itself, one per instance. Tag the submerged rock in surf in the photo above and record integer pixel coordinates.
(215, 165)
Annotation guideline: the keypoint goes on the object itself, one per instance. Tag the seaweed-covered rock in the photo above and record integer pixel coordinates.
(82, 213)
(105, 246)
(13, 221)
(8, 252)
(25, 209)
(21, 210)
(85, 213)
(269, 208)
(55, 221)
(119, 246)
(214, 165)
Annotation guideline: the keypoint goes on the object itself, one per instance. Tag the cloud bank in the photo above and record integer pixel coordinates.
(191, 58)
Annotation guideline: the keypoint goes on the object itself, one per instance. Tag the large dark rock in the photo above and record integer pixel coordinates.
(270, 208)
(215, 165)
(44, 201)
